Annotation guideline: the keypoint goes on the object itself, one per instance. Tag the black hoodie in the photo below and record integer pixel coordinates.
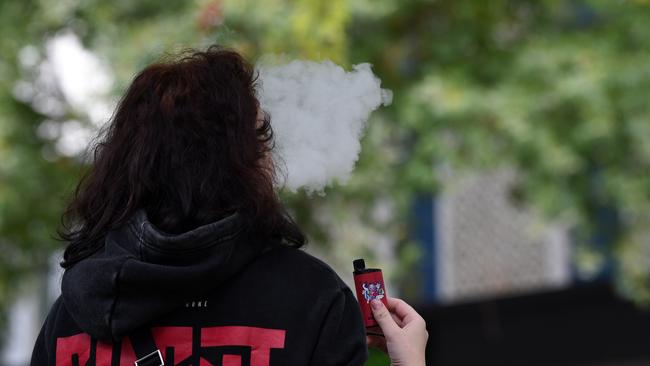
(209, 296)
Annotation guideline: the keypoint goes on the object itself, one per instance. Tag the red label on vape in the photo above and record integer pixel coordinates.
(369, 285)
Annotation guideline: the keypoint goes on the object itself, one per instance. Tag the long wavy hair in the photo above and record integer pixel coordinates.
(187, 144)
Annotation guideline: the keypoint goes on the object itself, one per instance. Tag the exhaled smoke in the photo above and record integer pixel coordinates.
(318, 113)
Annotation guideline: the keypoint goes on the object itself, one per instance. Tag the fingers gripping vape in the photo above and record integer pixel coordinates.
(369, 284)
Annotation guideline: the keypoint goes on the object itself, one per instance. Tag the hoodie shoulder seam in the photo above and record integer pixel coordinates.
(116, 281)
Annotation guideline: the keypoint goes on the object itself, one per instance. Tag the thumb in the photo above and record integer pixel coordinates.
(383, 317)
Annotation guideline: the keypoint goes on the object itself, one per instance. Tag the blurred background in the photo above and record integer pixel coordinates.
(505, 192)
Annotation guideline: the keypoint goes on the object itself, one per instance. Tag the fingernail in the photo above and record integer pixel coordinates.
(376, 304)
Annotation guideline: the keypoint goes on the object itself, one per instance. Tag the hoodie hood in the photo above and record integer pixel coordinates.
(143, 273)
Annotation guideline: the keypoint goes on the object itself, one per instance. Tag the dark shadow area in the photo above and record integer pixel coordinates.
(587, 325)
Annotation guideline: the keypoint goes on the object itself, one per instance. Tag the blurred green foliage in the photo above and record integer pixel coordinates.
(558, 90)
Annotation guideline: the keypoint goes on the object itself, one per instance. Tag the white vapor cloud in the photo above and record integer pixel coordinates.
(318, 113)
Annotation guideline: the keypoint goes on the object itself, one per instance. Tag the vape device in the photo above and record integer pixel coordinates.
(369, 284)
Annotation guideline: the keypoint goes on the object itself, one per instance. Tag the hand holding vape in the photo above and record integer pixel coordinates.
(369, 284)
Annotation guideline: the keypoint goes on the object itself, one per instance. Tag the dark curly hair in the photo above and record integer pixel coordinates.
(187, 144)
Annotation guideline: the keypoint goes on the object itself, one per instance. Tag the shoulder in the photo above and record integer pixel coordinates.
(45, 345)
(298, 267)
(59, 319)
(57, 311)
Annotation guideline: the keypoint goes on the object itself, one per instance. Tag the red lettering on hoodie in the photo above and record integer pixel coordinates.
(75, 350)
(71, 349)
(103, 354)
(261, 340)
(177, 338)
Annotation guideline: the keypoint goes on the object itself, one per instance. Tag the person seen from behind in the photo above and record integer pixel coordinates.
(179, 251)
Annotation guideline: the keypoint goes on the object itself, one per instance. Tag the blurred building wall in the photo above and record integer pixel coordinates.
(482, 245)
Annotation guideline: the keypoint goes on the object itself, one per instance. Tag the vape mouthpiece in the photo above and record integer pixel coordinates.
(359, 264)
